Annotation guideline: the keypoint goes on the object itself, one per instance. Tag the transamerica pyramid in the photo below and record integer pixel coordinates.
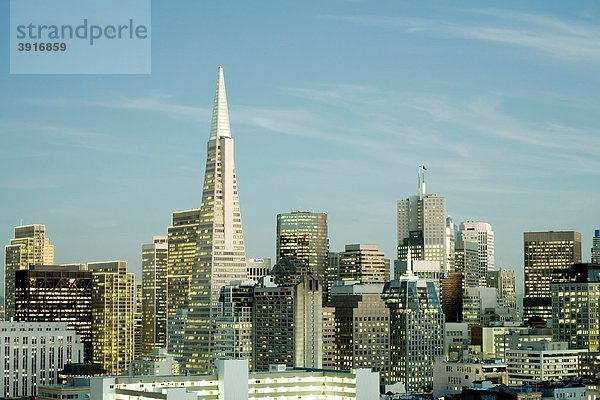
(221, 257)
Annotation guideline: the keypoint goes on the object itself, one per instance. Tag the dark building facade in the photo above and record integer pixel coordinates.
(452, 296)
(57, 293)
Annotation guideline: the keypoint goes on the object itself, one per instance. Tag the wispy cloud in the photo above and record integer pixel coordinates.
(560, 38)
(162, 104)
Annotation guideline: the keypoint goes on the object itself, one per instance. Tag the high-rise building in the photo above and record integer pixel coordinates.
(29, 246)
(363, 328)
(33, 355)
(156, 363)
(302, 242)
(363, 263)
(505, 283)
(183, 236)
(452, 296)
(57, 293)
(288, 324)
(466, 261)
(308, 323)
(233, 337)
(422, 227)
(482, 234)
(154, 294)
(596, 247)
(476, 300)
(547, 255)
(332, 274)
(257, 268)
(221, 254)
(137, 321)
(575, 302)
(176, 333)
(416, 330)
(273, 321)
(113, 307)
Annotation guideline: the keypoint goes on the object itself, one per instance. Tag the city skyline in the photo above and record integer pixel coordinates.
(91, 148)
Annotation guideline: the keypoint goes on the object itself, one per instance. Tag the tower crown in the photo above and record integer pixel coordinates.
(220, 116)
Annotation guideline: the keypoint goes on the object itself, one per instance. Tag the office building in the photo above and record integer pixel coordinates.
(113, 308)
(137, 321)
(231, 381)
(308, 323)
(466, 261)
(457, 338)
(154, 294)
(363, 263)
(221, 252)
(257, 268)
(157, 362)
(476, 300)
(596, 247)
(176, 333)
(330, 358)
(57, 293)
(416, 330)
(575, 307)
(29, 246)
(482, 234)
(452, 296)
(234, 329)
(547, 255)
(34, 353)
(422, 227)
(542, 361)
(505, 283)
(449, 377)
(273, 322)
(183, 238)
(363, 328)
(302, 244)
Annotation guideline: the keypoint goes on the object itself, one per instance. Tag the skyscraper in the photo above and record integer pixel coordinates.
(29, 246)
(154, 294)
(466, 261)
(363, 263)
(302, 242)
(113, 306)
(221, 254)
(596, 247)
(416, 330)
(183, 236)
(482, 234)
(422, 227)
(505, 283)
(57, 293)
(547, 255)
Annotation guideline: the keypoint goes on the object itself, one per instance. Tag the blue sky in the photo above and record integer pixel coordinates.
(332, 105)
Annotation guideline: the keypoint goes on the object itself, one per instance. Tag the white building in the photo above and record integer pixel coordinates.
(476, 300)
(450, 377)
(483, 235)
(232, 381)
(542, 361)
(456, 339)
(34, 353)
(157, 362)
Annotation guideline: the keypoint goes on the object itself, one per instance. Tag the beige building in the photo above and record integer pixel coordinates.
(364, 263)
(542, 361)
(113, 307)
(505, 283)
(29, 246)
(221, 256)
(450, 377)
(156, 362)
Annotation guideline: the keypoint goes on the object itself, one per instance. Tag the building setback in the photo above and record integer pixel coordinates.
(57, 293)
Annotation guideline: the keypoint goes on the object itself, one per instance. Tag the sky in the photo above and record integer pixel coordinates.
(333, 106)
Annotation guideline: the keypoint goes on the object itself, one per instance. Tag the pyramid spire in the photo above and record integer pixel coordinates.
(220, 117)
